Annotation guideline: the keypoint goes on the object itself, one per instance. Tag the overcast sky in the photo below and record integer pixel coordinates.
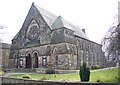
(96, 16)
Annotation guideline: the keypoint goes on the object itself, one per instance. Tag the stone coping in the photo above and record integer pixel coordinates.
(21, 80)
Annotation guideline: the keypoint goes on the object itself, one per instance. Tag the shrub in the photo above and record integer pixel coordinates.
(92, 67)
(95, 67)
(44, 78)
(50, 70)
(99, 80)
(84, 73)
(26, 76)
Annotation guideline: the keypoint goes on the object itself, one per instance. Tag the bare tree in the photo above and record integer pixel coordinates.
(111, 45)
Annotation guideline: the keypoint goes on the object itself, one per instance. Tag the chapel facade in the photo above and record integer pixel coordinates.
(46, 39)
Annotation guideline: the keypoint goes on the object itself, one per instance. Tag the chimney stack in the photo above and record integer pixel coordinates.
(83, 30)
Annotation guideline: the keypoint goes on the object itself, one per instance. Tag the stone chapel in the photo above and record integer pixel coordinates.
(46, 39)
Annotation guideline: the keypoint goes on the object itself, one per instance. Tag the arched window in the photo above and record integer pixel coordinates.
(54, 57)
(44, 61)
(36, 60)
(15, 60)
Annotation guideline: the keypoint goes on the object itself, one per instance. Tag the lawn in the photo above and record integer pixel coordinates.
(109, 75)
(62, 77)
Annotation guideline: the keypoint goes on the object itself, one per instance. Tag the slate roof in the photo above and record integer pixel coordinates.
(61, 22)
(55, 22)
(48, 16)
(5, 45)
(15, 37)
(58, 22)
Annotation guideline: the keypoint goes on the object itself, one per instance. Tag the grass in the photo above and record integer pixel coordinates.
(62, 77)
(109, 75)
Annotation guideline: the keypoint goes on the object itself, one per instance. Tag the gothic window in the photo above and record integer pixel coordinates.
(48, 50)
(44, 62)
(87, 58)
(82, 57)
(87, 48)
(82, 46)
(21, 63)
(15, 59)
(36, 60)
(33, 30)
(54, 57)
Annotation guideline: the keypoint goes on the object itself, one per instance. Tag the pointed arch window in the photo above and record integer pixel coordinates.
(55, 56)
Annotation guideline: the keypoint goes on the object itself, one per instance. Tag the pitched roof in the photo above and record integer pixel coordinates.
(55, 22)
(58, 23)
(5, 45)
(15, 37)
(48, 16)
(61, 22)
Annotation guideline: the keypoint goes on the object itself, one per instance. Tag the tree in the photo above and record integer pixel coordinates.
(111, 45)
(84, 72)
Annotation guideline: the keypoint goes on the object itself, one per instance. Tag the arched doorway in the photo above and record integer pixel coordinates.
(28, 61)
(36, 60)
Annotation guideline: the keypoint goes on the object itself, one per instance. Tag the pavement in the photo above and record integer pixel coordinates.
(11, 73)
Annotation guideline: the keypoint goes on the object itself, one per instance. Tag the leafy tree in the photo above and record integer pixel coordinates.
(50, 70)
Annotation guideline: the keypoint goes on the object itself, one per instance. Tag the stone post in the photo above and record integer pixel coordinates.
(118, 12)
(0, 60)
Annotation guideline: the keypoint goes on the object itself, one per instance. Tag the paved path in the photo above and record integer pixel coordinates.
(9, 74)
(102, 69)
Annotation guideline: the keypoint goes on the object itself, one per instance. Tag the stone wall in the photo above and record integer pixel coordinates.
(5, 54)
(60, 46)
(65, 54)
(9, 81)
(89, 52)
(57, 36)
